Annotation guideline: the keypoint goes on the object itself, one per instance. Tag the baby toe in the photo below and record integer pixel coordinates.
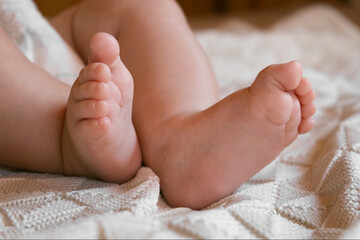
(307, 98)
(95, 72)
(303, 88)
(306, 125)
(91, 90)
(89, 109)
(308, 110)
(285, 76)
(104, 48)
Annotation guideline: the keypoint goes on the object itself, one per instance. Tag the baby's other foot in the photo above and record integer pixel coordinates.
(285, 98)
(99, 138)
(205, 156)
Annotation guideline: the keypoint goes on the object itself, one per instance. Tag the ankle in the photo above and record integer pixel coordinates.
(157, 136)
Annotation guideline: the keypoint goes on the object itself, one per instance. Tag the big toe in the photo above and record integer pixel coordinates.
(285, 76)
(104, 48)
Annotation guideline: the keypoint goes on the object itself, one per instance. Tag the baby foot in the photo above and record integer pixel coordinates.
(285, 98)
(99, 139)
(211, 153)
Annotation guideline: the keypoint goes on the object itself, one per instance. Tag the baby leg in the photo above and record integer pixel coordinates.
(32, 110)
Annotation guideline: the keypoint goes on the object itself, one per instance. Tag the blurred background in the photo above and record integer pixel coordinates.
(258, 12)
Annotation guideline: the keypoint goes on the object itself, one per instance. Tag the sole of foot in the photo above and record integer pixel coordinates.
(207, 155)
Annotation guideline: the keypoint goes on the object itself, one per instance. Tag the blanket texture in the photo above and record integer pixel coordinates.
(312, 190)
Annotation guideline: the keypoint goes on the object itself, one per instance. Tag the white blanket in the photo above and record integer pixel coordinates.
(312, 190)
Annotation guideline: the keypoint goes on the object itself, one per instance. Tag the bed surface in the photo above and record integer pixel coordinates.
(312, 190)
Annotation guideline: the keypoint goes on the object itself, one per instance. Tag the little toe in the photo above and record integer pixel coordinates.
(306, 125)
(95, 72)
(308, 110)
(307, 98)
(89, 109)
(91, 90)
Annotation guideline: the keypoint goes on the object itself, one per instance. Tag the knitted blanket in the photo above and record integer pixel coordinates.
(312, 190)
